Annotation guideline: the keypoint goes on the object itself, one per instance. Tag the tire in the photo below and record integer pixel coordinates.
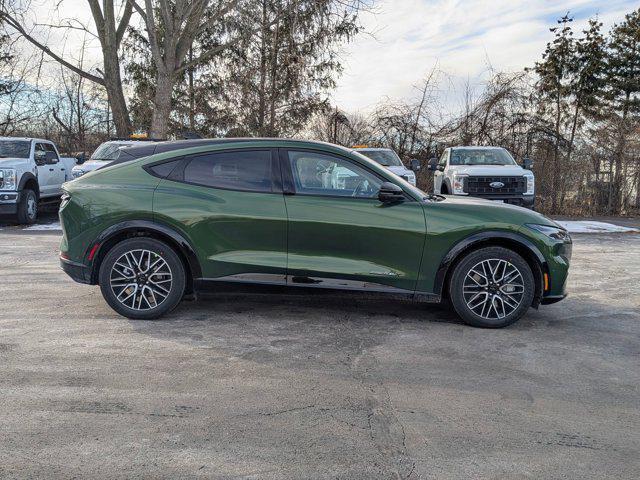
(128, 287)
(27, 207)
(479, 299)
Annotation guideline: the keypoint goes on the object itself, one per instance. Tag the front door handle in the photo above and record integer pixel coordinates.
(51, 169)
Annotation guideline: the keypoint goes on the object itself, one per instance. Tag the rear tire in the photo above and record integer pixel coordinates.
(491, 287)
(27, 207)
(142, 278)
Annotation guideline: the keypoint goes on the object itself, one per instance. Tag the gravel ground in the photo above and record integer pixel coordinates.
(239, 386)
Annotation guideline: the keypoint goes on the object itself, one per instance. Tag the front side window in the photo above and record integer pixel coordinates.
(236, 170)
(320, 174)
(443, 159)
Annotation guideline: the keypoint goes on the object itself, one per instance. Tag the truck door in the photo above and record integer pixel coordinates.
(50, 173)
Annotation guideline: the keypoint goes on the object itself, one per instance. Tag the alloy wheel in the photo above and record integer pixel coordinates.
(141, 279)
(493, 288)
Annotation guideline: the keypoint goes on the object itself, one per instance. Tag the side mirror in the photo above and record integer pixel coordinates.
(40, 158)
(51, 157)
(433, 164)
(527, 164)
(390, 193)
(415, 164)
(80, 158)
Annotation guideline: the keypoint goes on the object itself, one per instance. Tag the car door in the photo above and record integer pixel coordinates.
(56, 168)
(229, 204)
(339, 234)
(46, 172)
(438, 176)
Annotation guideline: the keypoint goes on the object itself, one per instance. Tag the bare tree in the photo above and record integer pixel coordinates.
(111, 31)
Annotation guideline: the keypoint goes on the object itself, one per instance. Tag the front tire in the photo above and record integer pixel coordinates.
(27, 207)
(491, 287)
(142, 278)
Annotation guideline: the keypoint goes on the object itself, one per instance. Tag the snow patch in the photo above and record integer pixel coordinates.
(46, 227)
(588, 226)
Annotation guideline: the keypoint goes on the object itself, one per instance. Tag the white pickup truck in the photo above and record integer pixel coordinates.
(31, 171)
(486, 172)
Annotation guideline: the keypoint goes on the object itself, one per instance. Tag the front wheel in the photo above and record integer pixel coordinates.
(142, 278)
(27, 207)
(492, 287)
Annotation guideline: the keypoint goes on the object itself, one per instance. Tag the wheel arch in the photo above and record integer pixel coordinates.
(493, 238)
(29, 181)
(145, 228)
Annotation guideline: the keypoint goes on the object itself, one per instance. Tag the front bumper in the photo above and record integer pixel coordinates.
(9, 203)
(77, 271)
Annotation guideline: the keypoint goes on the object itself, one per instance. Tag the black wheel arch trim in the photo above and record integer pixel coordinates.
(26, 177)
(477, 238)
(186, 249)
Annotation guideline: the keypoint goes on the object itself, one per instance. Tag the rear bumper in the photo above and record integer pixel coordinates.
(77, 271)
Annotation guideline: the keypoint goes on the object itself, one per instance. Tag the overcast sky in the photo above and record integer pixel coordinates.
(404, 39)
(460, 36)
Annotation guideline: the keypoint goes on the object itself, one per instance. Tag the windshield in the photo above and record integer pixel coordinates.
(481, 156)
(15, 148)
(387, 158)
(108, 151)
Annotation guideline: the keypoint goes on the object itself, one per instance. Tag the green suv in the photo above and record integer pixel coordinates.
(284, 213)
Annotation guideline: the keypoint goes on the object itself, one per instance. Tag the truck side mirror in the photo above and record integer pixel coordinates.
(40, 158)
(80, 158)
(51, 158)
(433, 164)
(527, 164)
(415, 164)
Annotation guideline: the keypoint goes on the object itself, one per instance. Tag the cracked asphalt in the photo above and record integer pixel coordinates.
(256, 386)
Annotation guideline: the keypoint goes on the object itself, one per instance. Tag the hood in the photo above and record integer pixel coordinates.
(14, 162)
(494, 211)
(90, 165)
(489, 170)
(398, 170)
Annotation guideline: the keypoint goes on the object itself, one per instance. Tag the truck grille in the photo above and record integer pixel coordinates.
(482, 185)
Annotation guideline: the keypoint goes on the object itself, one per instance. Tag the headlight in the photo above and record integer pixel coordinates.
(77, 173)
(556, 233)
(530, 184)
(8, 178)
(458, 184)
(411, 178)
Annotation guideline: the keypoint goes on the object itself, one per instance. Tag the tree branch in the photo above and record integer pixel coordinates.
(12, 22)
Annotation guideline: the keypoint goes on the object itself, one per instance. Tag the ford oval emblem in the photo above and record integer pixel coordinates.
(496, 184)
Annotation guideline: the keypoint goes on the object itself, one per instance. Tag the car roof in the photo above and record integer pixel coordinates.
(149, 148)
(372, 149)
(26, 139)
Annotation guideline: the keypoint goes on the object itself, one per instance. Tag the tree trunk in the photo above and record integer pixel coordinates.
(162, 104)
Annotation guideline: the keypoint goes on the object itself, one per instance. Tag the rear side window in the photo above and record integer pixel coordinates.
(163, 170)
(237, 170)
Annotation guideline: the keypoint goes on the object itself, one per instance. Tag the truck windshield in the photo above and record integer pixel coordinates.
(481, 156)
(108, 152)
(387, 158)
(15, 148)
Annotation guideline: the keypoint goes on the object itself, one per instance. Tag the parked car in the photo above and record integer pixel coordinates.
(271, 213)
(120, 151)
(106, 153)
(31, 171)
(486, 172)
(390, 159)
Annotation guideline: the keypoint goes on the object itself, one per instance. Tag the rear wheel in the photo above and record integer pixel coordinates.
(27, 207)
(142, 278)
(492, 287)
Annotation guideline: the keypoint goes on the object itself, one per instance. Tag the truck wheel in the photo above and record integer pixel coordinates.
(492, 287)
(27, 207)
(142, 278)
